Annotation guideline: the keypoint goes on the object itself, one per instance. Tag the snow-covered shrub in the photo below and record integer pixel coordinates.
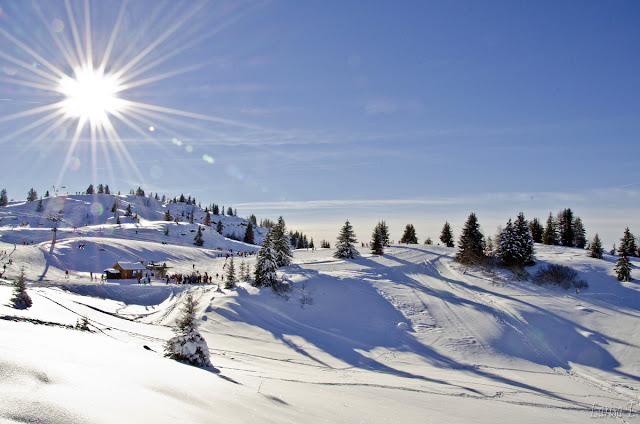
(20, 299)
(188, 345)
(559, 275)
(83, 324)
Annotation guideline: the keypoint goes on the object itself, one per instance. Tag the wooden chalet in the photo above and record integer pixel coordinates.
(125, 270)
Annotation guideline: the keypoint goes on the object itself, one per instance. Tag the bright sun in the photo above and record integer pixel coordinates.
(91, 96)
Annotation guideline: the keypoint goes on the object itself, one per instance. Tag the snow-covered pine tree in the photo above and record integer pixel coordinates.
(4, 200)
(188, 345)
(219, 227)
(281, 244)
(266, 265)
(345, 243)
(207, 219)
(409, 235)
(523, 234)
(377, 247)
(446, 235)
(596, 249)
(167, 216)
(128, 211)
(241, 271)
(20, 299)
(198, 240)
(40, 206)
(537, 230)
(230, 280)
(579, 234)
(550, 235)
(471, 243)
(623, 269)
(628, 245)
(507, 250)
(248, 235)
(100, 189)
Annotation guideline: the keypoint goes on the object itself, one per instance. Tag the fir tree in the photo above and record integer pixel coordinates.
(266, 265)
(207, 219)
(106, 190)
(311, 245)
(241, 271)
(409, 235)
(377, 247)
(20, 299)
(128, 211)
(32, 195)
(40, 206)
(100, 189)
(115, 206)
(188, 345)
(471, 243)
(623, 269)
(90, 190)
(281, 244)
(198, 240)
(596, 248)
(167, 216)
(550, 235)
(117, 218)
(628, 245)
(565, 228)
(4, 200)
(383, 229)
(166, 230)
(46, 194)
(345, 243)
(537, 230)
(515, 244)
(579, 234)
(219, 227)
(446, 235)
(325, 244)
(230, 279)
(248, 234)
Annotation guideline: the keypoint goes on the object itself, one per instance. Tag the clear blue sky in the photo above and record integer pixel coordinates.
(321, 111)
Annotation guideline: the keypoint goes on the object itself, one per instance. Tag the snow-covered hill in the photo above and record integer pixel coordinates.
(410, 336)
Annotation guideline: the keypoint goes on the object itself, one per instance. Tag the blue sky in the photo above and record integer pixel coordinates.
(413, 112)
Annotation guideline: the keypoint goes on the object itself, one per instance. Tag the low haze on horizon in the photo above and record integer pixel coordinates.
(415, 112)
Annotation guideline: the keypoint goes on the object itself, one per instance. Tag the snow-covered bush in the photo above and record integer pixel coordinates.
(559, 275)
(20, 299)
(188, 345)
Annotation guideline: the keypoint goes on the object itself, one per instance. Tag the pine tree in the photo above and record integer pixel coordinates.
(40, 206)
(281, 244)
(596, 248)
(446, 236)
(32, 195)
(383, 229)
(128, 211)
(4, 200)
(523, 233)
(241, 271)
(471, 243)
(20, 299)
(90, 190)
(537, 230)
(377, 247)
(230, 279)
(115, 206)
(579, 234)
(628, 245)
(409, 235)
(345, 243)
(100, 189)
(623, 269)
(117, 218)
(106, 190)
(207, 219)
(219, 227)
(311, 245)
(515, 244)
(325, 244)
(198, 240)
(167, 216)
(550, 235)
(188, 345)
(248, 235)
(266, 265)
(565, 228)
(166, 230)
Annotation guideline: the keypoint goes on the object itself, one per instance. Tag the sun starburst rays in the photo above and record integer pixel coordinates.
(85, 87)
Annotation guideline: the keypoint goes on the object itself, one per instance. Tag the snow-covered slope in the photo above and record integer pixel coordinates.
(406, 337)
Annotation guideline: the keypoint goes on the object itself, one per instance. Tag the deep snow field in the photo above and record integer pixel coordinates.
(410, 336)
